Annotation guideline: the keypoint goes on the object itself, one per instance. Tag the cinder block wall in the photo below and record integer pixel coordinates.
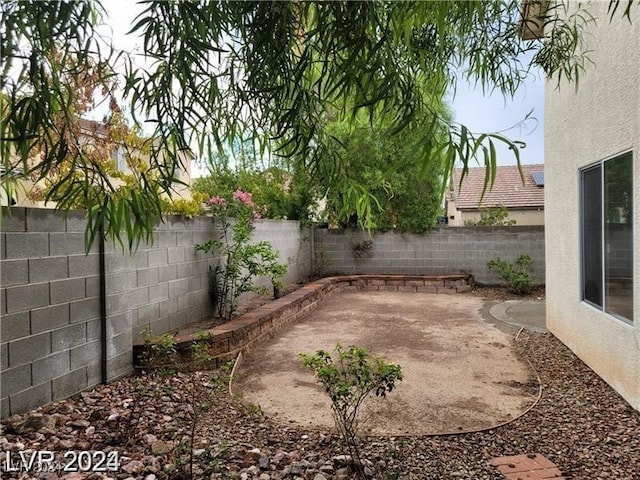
(160, 287)
(442, 251)
(50, 316)
(50, 309)
(292, 242)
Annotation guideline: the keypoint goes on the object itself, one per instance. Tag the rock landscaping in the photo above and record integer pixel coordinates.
(580, 424)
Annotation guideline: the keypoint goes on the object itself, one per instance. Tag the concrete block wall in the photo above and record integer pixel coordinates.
(159, 288)
(50, 316)
(445, 250)
(50, 309)
(293, 244)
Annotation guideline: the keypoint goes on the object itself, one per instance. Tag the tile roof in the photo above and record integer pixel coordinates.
(507, 190)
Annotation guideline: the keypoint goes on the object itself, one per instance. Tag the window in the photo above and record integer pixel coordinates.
(121, 160)
(607, 235)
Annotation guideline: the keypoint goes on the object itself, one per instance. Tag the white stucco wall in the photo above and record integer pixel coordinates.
(597, 122)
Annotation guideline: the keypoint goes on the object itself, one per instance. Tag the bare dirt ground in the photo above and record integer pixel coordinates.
(460, 373)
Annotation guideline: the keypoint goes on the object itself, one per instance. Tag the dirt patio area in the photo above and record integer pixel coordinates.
(460, 372)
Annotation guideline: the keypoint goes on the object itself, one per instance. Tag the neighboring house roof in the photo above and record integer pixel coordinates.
(508, 189)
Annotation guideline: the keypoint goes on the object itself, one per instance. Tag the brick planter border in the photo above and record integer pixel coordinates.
(248, 331)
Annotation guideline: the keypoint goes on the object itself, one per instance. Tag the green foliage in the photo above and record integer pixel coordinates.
(159, 350)
(210, 73)
(201, 350)
(188, 208)
(494, 216)
(516, 275)
(362, 249)
(349, 376)
(243, 260)
(402, 182)
(287, 195)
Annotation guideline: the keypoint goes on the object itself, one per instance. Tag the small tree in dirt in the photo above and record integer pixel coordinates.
(348, 377)
(243, 260)
(516, 275)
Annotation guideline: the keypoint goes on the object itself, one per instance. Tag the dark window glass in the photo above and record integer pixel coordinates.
(592, 235)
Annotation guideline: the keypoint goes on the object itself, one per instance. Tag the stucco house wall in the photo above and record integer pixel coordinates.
(599, 121)
(461, 218)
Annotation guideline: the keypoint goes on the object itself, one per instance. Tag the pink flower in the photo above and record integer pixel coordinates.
(244, 197)
(256, 216)
(217, 201)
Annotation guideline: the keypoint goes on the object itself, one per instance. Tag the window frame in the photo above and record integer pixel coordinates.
(583, 256)
(600, 164)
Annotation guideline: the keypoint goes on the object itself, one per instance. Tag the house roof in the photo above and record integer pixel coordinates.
(508, 189)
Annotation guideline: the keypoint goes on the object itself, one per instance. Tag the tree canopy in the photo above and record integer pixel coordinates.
(405, 188)
(267, 72)
(288, 194)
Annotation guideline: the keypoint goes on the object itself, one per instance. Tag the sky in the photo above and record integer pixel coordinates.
(479, 112)
(494, 113)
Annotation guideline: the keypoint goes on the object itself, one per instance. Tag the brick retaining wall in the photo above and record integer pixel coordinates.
(246, 332)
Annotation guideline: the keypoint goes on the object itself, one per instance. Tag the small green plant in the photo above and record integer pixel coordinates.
(159, 350)
(201, 351)
(493, 217)
(253, 409)
(516, 275)
(349, 376)
(362, 249)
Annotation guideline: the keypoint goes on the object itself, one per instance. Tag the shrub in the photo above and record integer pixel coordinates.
(188, 207)
(243, 260)
(201, 351)
(348, 377)
(159, 350)
(288, 195)
(362, 249)
(494, 217)
(516, 275)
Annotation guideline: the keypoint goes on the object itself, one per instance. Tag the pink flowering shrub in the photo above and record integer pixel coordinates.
(244, 197)
(241, 207)
(217, 201)
(243, 260)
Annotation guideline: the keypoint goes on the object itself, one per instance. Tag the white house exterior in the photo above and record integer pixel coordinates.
(592, 205)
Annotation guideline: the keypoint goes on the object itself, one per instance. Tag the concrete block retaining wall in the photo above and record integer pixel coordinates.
(50, 303)
(50, 309)
(442, 251)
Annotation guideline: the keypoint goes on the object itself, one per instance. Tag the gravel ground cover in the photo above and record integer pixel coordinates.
(580, 424)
